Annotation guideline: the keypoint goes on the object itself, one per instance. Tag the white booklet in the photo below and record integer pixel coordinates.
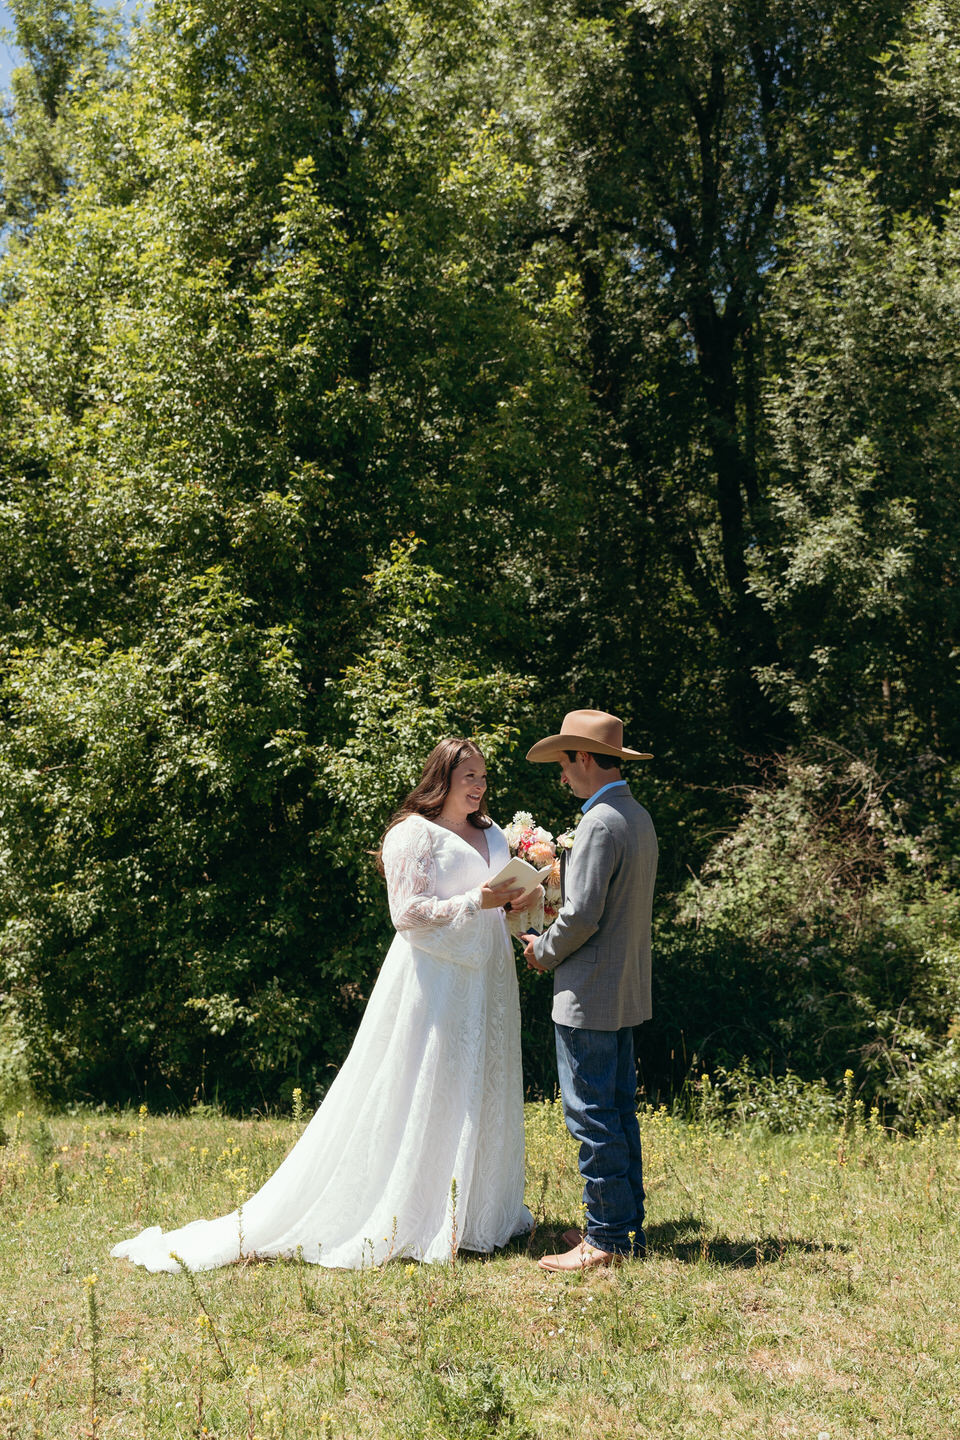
(521, 873)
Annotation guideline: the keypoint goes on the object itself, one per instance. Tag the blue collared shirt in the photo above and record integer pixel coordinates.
(597, 793)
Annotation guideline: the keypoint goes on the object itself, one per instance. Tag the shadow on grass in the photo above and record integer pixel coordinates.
(686, 1239)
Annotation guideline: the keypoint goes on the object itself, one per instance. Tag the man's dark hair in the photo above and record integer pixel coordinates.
(605, 762)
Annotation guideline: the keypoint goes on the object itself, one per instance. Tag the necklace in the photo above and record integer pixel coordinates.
(461, 827)
(466, 832)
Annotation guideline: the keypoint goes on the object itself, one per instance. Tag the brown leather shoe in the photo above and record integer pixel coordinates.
(574, 1237)
(582, 1257)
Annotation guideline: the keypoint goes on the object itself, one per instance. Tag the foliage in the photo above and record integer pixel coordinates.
(674, 143)
(68, 47)
(782, 1105)
(144, 789)
(367, 372)
(815, 938)
(233, 373)
(867, 487)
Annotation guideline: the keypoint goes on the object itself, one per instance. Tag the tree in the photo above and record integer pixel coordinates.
(671, 144)
(265, 332)
(861, 581)
(67, 46)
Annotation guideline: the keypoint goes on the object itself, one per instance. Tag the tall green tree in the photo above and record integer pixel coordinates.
(268, 330)
(671, 144)
(865, 494)
(66, 47)
(858, 576)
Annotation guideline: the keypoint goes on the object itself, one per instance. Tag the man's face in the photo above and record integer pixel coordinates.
(574, 773)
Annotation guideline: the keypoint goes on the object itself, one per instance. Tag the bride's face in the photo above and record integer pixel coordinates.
(468, 781)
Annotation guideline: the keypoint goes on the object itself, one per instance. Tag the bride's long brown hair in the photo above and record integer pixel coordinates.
(433, 787)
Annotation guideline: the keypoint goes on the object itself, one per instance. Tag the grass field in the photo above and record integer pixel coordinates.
(804, 1285)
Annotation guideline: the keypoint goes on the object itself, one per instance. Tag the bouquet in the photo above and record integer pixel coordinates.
(537, 846)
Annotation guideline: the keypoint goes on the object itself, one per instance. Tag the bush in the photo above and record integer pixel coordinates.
(780, 1104)
(191, 902)
(156, 882)
(817, 937)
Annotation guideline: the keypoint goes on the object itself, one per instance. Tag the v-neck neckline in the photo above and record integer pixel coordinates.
(447, 831)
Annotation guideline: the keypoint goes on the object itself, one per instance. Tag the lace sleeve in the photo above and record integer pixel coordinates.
(441, 926)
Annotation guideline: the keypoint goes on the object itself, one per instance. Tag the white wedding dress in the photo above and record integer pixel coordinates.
(431, 1092)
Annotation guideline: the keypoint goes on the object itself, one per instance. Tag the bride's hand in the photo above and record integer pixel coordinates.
(492, 896)
(532, 897)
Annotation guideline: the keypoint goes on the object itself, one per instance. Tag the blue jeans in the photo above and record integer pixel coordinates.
(598, 1083)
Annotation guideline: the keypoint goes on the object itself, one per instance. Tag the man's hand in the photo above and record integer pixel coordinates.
(532, 962)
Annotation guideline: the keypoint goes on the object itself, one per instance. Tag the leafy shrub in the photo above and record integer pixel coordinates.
(917, 1071)
(13, 1065)
(782, 1104)
(191, 900)
(155, 883)
(815, 938)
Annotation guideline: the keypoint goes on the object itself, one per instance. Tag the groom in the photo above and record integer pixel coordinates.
(599, 951)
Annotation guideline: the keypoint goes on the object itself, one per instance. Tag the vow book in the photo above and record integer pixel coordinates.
(521, 873)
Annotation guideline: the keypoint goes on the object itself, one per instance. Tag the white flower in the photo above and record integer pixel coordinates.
(518, 826)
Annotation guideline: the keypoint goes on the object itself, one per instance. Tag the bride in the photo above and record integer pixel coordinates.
(431, 1091)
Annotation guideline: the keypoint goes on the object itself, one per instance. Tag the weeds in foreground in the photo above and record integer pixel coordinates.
(204, 1321)
(796, 1285)
(93, 1319)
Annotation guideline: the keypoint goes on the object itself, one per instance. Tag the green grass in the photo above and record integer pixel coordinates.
(796, 1286)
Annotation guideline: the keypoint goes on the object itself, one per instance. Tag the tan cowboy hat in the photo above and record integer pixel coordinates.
(591, 730)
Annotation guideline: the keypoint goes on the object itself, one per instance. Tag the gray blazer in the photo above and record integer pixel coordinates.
(599, 945)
